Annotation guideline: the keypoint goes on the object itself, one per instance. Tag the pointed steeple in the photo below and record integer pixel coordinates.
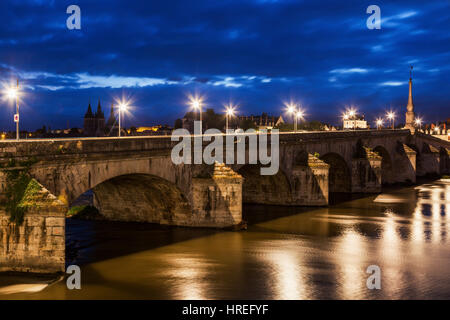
(112, 117)
(410, 106)
(410, 116)
(112, 110)
(99, 113)
(89, 113)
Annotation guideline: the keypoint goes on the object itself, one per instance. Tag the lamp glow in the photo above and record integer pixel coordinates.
(12, 93)
(229, 113)
(391, 116)
(418, 123)
(291, 108)
(379, 123)
(196, 103)
(123, 107)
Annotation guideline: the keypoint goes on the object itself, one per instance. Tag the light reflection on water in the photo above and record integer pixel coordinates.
(287, 253)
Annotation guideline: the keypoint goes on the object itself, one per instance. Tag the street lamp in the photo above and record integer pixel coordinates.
(379, 123)
(13, 94)
(196, 103)
(298, 115)
(291, 109)
(229, 113)
(391, 117)
(123, 106)
(418, 123)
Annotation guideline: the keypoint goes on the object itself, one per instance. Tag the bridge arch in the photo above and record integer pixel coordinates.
(69, 181)
(141, 198)
(386, 164)
(340, 178)
(264, 189)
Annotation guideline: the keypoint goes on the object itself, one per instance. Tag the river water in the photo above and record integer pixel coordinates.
(286, 253)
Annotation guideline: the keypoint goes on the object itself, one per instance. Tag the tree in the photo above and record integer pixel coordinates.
(246, 124)
(42, 131)
(213, 120)
(74, 131)
(283, 127)
(311, 126)
(306, 126)
(178, 124)
(210, 119)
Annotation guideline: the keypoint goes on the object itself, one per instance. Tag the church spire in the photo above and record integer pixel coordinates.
(410, 116)
(99, 113)
(410, 106)
(112, 117)
(112, 109)
(89, 113)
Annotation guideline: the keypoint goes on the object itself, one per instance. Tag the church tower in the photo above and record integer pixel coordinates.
(410, 115)
(100, 121)
(112, 128)
(89, 122)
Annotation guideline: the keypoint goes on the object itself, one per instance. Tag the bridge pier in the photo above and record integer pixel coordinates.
(445, 161)
(366, 172)
(310, 182)
(38, 243)
(404, 163)
(428, 161)
(216, 199)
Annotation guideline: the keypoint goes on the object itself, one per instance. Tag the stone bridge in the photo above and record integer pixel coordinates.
(134, 179)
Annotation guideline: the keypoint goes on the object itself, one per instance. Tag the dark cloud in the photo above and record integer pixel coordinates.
(255, 52)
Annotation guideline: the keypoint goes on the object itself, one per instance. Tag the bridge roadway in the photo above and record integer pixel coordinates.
(383, 131)
(359, 131)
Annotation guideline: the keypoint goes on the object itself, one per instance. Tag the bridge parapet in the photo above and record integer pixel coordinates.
(69, 148)
(45, 147)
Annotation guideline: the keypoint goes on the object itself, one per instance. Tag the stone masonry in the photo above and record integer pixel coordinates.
(38, 244)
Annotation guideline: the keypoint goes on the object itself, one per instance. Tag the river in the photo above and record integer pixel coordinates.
(286, 253)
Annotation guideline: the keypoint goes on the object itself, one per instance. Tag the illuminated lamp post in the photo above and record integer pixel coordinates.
(13, 94)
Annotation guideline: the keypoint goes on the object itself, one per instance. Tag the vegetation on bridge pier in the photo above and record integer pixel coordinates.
(21, 189)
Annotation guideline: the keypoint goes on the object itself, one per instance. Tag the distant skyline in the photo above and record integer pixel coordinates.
(255, 53)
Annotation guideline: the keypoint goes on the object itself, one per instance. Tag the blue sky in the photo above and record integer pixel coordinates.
(256, 53)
